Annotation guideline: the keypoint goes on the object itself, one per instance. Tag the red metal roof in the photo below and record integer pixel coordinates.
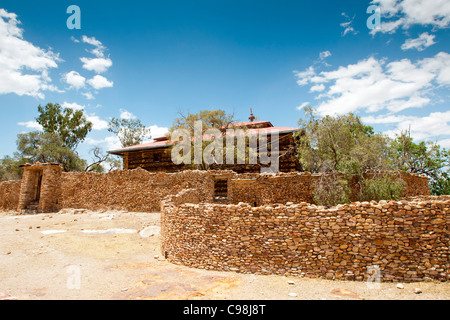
(162, 142)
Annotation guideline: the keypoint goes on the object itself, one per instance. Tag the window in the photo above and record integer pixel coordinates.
(221, 189)
(157, 157)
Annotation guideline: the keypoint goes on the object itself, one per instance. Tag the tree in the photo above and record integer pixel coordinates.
(344, 148)
(9, 167)
(129, 131)
(342, 143)
(103, 162)
(70, 125)
(99, 158)
(440, 185)
(425, 158)
(209, 119)
(218, 119)
(48, 147)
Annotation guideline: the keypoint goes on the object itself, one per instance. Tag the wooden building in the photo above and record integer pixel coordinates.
(155, 156)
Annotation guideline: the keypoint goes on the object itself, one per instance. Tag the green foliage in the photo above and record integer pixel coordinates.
(48, 147)
(114, 163)
(70, 125)
(422, 158)
(385, 187)
(130, 132)
(9, 167)
(331, 190)
(217, 119)
(440, 185)
(340, 143)
(210, 119)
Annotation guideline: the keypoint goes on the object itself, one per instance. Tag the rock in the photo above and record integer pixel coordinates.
(291, 283)
(345, 293)
(399, 286)
(149, 231)
(417, 291)
(4, 296)
(292, 294)
(437, 221)
(156, 256)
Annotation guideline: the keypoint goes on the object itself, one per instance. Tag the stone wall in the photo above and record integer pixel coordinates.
(281, 188)
(40, 186)
(298, 187)
(9, 195)
(407, 240)
(140, 190)
(132, 190)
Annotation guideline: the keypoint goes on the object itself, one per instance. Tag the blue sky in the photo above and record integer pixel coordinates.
(153, 59)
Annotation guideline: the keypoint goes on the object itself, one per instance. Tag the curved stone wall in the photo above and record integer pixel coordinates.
(405, 240)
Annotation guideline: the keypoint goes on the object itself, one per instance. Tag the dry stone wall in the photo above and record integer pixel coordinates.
(405, 240)
(140, 190)
(9, 195)
(132, 190)
(259, 189)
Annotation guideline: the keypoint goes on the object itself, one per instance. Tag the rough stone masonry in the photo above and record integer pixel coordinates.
(406, 240)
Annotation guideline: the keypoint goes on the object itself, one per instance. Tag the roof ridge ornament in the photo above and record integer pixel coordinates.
(252, 117)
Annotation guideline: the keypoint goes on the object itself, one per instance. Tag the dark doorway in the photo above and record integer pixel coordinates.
(221, 189)
(38, 186)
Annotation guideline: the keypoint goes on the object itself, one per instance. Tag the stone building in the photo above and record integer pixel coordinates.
(155, 156)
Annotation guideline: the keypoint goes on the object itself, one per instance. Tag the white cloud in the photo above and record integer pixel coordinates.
(373, 84)
(88, 95)
(304, 104)
(445, 143)
(113, 142)
(126, 115)
(100, 82)
(405, 13)
(305, 76)
(317, 88)
(74, 79)
(31, 125)
(75, 106)
(347, 25)
(23, 66)
(108, 143)
(99, 48)
(325, 54)
(99, 65)
(97, 123)
(433, 127)
(421, 43)
(157, 131)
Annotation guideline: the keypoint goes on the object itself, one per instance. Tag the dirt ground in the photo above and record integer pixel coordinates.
(79, 254)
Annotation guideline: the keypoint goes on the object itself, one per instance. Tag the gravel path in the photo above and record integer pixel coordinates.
(79, 254)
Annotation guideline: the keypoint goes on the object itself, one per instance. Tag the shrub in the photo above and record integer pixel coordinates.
(331, 190)
(382, 188)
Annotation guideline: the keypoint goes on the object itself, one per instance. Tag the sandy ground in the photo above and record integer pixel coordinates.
(104, 255)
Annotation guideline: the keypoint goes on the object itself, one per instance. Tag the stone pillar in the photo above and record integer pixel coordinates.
(48, 189)
(125, 161)
(28, 187)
